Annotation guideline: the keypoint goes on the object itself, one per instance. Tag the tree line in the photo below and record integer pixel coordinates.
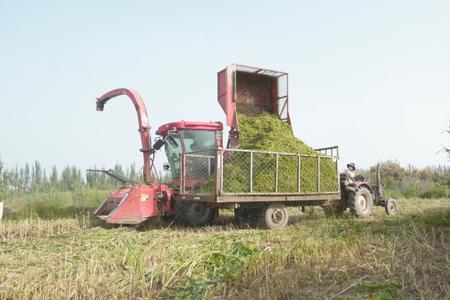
(409, 182)
(34, 178)
(430, 182)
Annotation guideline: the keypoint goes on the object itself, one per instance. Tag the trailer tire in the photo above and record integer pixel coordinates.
(360, 202)
(193, 214)
(240, 217)
(275, 216)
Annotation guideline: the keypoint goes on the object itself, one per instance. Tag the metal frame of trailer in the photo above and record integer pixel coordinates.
(213, 167)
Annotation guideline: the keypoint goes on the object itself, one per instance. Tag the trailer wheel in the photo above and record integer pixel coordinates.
(360, 202)
(240, 216)
(391, 207)
(275, 216)
(194, 214)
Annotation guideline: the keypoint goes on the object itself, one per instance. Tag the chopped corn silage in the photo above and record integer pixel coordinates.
(267, 132)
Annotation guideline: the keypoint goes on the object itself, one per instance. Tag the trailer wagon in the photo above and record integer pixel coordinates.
(260, 185)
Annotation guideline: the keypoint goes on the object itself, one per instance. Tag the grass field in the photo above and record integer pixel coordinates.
(382, 257)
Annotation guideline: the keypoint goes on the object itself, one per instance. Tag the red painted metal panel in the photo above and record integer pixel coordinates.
(225, 93)
(210, 126)
(139, 205)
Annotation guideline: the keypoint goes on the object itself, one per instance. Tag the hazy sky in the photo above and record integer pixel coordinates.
(370, 76)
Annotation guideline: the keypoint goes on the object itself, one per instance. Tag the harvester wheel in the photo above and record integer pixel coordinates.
(275, 216)
(168, 218)
(391, 207)
(360, 202)
(195, 214)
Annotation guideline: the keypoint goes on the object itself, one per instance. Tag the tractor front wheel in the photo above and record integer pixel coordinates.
(360, 202)
(390, 207)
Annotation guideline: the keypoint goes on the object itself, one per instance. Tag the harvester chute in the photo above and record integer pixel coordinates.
(251, 91)
(144, 125)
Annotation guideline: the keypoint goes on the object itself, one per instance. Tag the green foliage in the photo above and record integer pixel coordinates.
(436, 192)
(33, 179)
(412, 191)
(400, 182)
(215, 267)
(52, 205)
(383, 291)
(439, 219)
(268, 133)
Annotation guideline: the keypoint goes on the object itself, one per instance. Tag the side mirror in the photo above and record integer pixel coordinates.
(158, 144)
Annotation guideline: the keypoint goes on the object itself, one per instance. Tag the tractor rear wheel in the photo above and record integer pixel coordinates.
(275, 216)
(194, 214)
(360, 202)
(391, 207)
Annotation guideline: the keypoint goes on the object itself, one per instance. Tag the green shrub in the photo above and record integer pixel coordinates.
(412, 191)
(436, 192)
(52, 205)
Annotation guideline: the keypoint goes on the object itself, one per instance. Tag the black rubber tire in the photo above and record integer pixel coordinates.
(390, 207)
(240, 216)
(167, 218)
(193, 214)
(275, 216)
(360, 202)
(335, 210)
(180, 208)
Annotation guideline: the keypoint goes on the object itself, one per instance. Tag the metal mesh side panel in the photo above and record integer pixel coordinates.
(328, 175)
(308, 175)
(263, 172)
(236, 172)
(200, 174)
(287, 174)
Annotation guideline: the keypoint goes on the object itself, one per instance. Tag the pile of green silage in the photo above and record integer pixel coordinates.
(266, 132)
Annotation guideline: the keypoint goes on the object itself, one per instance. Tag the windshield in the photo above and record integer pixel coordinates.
(193, 141)
(198, 140)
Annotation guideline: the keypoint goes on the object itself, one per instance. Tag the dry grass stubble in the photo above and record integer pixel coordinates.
(405, 256)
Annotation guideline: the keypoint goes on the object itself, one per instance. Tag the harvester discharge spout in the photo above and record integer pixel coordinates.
(144, 126)
(251, 91)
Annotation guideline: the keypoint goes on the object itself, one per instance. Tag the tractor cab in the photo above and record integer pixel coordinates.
(189, 137)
